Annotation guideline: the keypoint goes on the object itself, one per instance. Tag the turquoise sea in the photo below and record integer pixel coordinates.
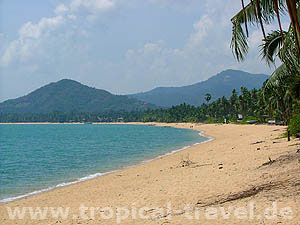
(36, 158)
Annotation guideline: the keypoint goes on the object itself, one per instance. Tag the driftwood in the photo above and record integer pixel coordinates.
(240, 195)
(258, 142)
(271, 161)
(200, 165)
(185, 162)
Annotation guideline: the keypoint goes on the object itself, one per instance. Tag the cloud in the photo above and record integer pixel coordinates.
(9, 53)
(72, 17)
(61, 9)
(205, 52)
(201, 28)
(93, 6)
(156, 65)
(30, 30)
(127, 49)
(31, 35)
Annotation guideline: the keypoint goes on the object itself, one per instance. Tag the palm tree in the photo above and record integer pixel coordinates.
(284, 45)
(234, 101)
(207, 97)
(260, 12)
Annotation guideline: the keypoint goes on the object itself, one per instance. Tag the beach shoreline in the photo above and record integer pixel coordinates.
(166, 179)
(100, 174)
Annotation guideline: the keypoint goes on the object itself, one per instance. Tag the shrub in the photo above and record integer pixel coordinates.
(210, 120)
(294, 126)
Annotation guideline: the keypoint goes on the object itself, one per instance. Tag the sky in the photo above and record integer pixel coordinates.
(123, 46)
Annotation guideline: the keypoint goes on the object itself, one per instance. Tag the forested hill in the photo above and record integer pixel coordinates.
(219, 85)
(71, 96)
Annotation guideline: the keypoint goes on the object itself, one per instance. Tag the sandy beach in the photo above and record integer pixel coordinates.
(246, 175)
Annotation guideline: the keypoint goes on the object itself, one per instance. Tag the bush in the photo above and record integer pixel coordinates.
(214, 120)
(210, 120)
(294, 126)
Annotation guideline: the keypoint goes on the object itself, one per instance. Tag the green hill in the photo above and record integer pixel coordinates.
(71, 96)
(219, 85)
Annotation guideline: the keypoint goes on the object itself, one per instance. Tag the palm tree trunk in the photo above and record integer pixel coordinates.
(246, 25)
(260, 19)
(278, 18)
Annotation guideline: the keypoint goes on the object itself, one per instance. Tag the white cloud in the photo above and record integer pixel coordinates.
(30, 30)
(201, 29)
(61, 9)
(155, 64)
(72, 17)
(9, 54)
(29, 34)
(93, 6)
(152, 47)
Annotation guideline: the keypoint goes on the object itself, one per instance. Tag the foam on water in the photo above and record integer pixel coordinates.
(89, 177)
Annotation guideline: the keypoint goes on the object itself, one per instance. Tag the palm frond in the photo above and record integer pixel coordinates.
(277, 77)
(250, 15)
(246, 24)
(239, 43)
(271, 47)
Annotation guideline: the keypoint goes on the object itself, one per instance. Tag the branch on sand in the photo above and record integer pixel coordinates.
(240, 195)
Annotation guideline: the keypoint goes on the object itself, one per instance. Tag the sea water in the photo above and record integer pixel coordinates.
(35, 158)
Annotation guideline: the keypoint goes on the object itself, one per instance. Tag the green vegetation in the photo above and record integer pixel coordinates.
(70, 101)
(252, 105)
(282, 90)
(70, 97)
(294, 126)
(207, 97)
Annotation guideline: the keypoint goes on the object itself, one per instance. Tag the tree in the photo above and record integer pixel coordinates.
(284, 83)
(259, 12)
(207, 97)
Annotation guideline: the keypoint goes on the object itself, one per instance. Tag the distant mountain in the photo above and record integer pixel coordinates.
(71, 96)
(219, 85)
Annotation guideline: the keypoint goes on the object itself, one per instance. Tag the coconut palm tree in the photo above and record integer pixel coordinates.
(284, 84)
(207, 97)
(260, 12)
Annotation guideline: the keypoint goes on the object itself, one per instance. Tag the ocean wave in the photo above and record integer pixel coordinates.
(89, 177)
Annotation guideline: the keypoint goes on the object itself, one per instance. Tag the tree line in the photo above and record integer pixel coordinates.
(250, 104)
